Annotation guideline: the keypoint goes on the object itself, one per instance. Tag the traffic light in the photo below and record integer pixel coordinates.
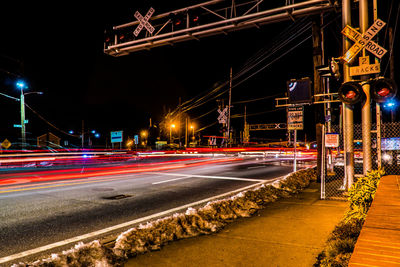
(351, 93)
(383, 89)
(299, 91)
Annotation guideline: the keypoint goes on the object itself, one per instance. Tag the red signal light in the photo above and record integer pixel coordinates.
(178, 22)
(350, 94)
(383, 91)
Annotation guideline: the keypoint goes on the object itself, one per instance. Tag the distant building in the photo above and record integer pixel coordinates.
(48, 140)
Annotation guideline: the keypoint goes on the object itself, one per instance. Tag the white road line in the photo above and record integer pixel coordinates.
(171, 180)
(122, 225)
(210, 177)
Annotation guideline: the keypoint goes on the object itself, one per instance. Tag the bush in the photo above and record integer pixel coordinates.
(342, 240)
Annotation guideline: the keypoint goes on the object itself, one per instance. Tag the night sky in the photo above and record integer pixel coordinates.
(59, 51)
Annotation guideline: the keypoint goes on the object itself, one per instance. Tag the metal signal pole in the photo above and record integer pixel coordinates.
(377, 105)
(366, 108)
(348, 123)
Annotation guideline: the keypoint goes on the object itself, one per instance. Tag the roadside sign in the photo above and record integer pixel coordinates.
(136, 138)
(365, 68)
(295, 118)
(212, 141)
(363, 41)
(6, 144)
(331, 140)
(17, 126)
(144, 22)
(116, 137)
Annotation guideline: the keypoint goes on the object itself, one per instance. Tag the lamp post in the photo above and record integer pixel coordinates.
(143, 134)
(21, 85)
(170, 133)
(391, 106)
(192, 127)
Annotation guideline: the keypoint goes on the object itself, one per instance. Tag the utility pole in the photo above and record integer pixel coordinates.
(246, 127)
(186, 132)
(83, 133)
(23, 133)
(179, 121)
(348, 120)
(391, 65)
(317, 61)
(366, 107)
(228, 126)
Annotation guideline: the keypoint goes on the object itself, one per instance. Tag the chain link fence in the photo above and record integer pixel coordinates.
(391, 147)
(333, 184)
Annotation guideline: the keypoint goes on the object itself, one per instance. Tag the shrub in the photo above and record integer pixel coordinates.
(342, 240)
(362, 193)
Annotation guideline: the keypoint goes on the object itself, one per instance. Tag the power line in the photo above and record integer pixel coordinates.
(49, 123)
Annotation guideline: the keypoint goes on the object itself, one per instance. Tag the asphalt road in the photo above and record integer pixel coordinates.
(36, 212)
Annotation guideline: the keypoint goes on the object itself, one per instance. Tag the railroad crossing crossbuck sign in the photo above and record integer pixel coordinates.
(363, 41)
(222, 115)
(144, 22)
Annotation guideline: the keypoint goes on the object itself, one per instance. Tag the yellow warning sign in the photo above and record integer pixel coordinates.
(365, 67)
(6, 144)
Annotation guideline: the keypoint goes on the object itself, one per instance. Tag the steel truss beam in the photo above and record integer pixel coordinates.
(268, 126)
(214, 17)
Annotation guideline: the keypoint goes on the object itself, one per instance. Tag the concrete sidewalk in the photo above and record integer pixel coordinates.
(289, 232)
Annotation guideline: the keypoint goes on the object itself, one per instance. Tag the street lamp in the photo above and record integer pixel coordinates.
(170, 133)
(144, 134)
(391, 106)
(192, 127)
(21, 85)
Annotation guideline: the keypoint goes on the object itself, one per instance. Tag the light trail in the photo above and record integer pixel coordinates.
(114, 170)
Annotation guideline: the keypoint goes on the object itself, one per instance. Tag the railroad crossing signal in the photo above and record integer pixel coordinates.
(222, 115)
(144, 22)
(363, 41)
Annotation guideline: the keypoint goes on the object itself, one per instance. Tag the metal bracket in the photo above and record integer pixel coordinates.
(327, 98)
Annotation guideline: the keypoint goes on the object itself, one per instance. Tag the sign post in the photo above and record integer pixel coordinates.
(295, 121)
(116, 137)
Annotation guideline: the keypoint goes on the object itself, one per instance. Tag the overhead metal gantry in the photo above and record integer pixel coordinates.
(203, 20)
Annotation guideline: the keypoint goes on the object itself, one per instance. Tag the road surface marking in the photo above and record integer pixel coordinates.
(171, 180)
(210, 177)
(61, 184)
(122, 225)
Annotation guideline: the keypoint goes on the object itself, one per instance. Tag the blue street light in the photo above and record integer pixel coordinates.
(71, 132)
(97, 135)
(21, 84)
(390, 105)
(93, 131)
